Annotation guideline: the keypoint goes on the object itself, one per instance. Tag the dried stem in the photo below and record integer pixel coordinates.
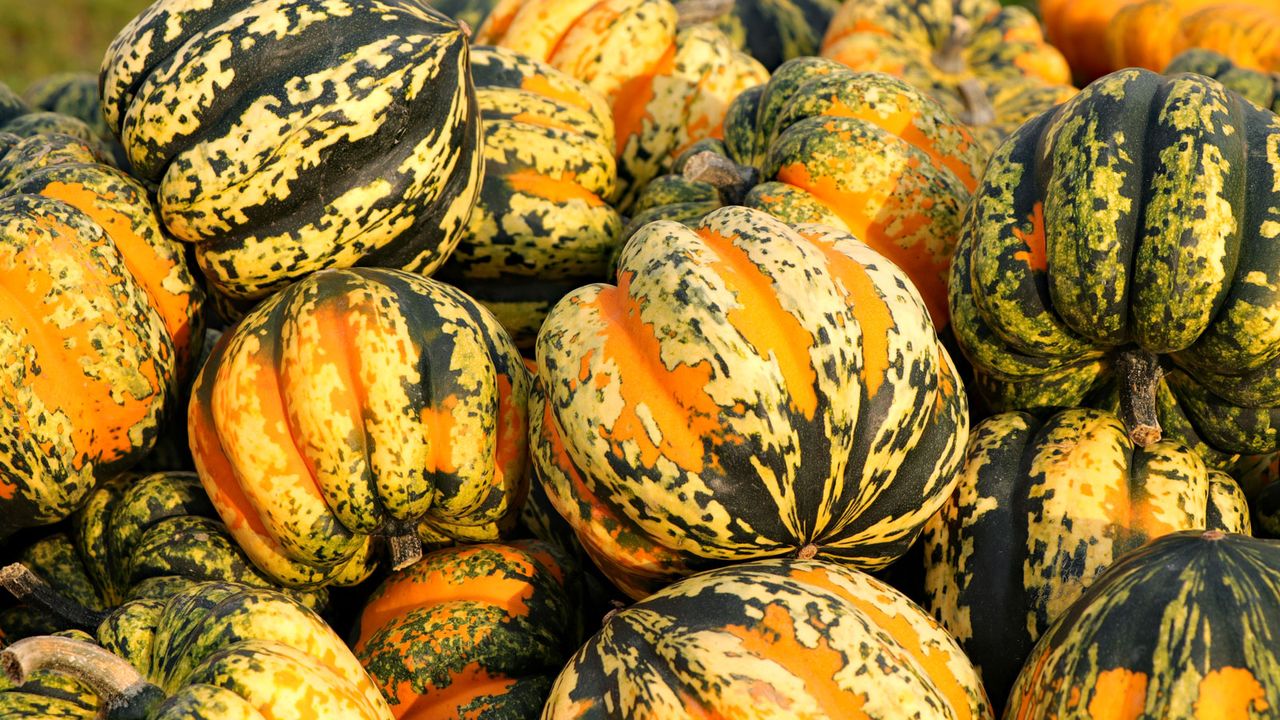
(122, 691)
(1140, 375)
(31, 589)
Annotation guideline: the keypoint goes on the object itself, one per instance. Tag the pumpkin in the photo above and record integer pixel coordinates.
(1182, 627)
(1041, 509)
(1260, 87)
(667, 88)
(1150, 33)
(135, 537)
(76, 94)
(360, 403)
(775, 31)
(100, 321)
(862, 152)
(746, 390)
(1116, 248)
(989, 66)
(478, 631)
(288, 136)
(782, 638)
(214, 650)
(543, 225)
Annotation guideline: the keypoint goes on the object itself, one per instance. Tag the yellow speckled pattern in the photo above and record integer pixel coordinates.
(782, 638)
(288, 136)
(744, 391)
(360, 403)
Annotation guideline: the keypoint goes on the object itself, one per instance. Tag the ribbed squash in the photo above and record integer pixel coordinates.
(988, 65)
(746, 390)
(1040, 511)
(216, 650)
(1149, 34)
(862, 152)
(357, 404)
(775, 31)
(29, 122)
(135, 537)
(475, 632)
(76, 94)
(781, 638)
(471, 12)
(287, 136)
(1261, 87)
(1257, 475)
(1122, 244)
(98, 323)
(543, 224)
(667, 89)
(1185, 627)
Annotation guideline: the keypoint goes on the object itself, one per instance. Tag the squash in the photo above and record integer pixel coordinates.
(667, 89)
(782, 638)
(989, 66)
(478, 631)
(1149, 34)
(1041, 509)
(1183, 627)
(76, 94)
(99, 324)
(543, 225)
(1119, 248)
(1260, 87)
(775, 31)
(862, 152)
(288, 136)
(746, 390)
(135, 537)
(360, 403)
(214, 650)
(1257, 475)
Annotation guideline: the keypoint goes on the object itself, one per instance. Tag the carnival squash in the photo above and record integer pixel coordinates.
(780, 638)
(1260, 87)
(1041, 509)
(288, 136)
(1183, 627)
(357, 404)
(1149, 34)
(1120, 245)
(746, 390)
(775, 31)
(76, 94)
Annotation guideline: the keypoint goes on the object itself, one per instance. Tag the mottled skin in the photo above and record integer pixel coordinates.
(1151, 33)
(470, 632)
(1140, 215)
(76, 94)
(1000, 53)
(98, 321)
(1184, 627)
(781, 638)
(361, 147)
(542, 225)
(862, 152)
(1260, 87)
(135, 537)
(1040, 511)
(357, 404)
(1257, 475)
(745, 391)
(775, 31)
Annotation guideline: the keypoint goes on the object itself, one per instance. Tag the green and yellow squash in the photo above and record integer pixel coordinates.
(1119, 254)
(1261, 87)
(862, 152)
(357, 405)
(779, 638)
(746, 390)
(988, 65)
(1041, 510)
(135, 537)
(216, 650)
(76, 94)
(1184, 627)
(1258, 475)
(288, 136)
(99, 320)
(543, 225)
(470, 632)
(775, 31)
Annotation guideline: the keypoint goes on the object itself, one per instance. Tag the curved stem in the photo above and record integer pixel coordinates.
(733, 181)
(695, 12)
(978, 110)
(1140, 375)
(31, 589)
(950, 57)
(406, 549)
(123, 692)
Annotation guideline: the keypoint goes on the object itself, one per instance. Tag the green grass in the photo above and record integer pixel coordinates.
(40, 37)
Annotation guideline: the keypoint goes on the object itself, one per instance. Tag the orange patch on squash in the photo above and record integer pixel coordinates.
(875, 320)
(768, 327)
(561, 190)
(540, 85)
(902, 124)
(1034, 256)
(439, 423)
(631, 101)
(1119, 694)
(1230, 694)
(445, 701)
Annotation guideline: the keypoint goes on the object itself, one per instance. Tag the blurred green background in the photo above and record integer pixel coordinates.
(38, 37)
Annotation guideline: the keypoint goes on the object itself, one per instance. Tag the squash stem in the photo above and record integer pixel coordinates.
(1139, 379)
(978, 111)
(31, 589)
(406, 549)
(733, 181)
(123, 692)
(696, 12)
(808, 552)
(949, 58)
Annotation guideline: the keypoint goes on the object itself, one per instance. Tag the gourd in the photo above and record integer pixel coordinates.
(1260, 87)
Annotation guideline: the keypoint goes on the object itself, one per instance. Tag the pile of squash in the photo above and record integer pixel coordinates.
(503, 359)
